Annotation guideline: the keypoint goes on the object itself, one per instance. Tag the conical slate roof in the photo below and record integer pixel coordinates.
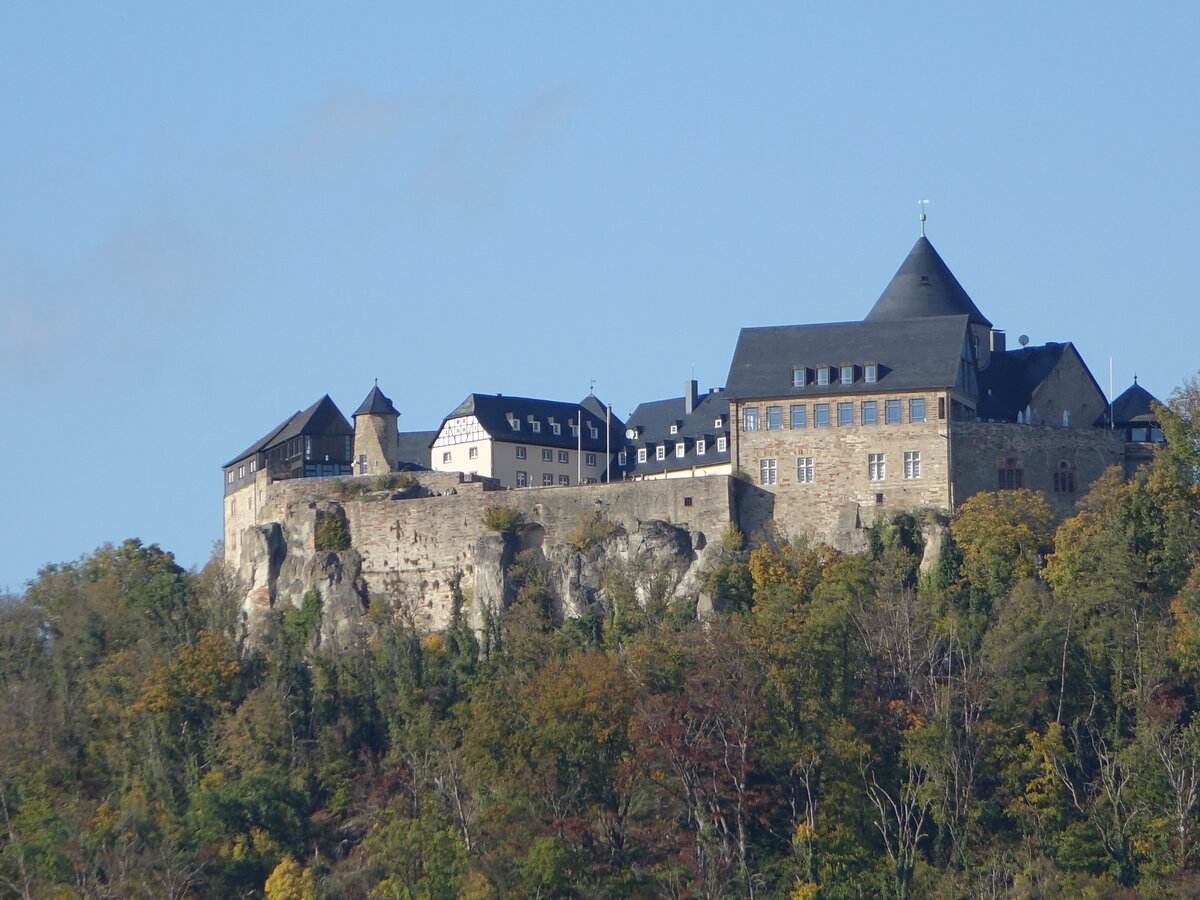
(376, 404)
(1134, 405)
(924, 286)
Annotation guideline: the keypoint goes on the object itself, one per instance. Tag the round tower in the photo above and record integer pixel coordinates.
(376, 435)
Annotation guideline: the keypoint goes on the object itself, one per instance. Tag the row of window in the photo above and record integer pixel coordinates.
(564, 456)
(848, 373)
(230, 476)
(548, 480)
(798, 414)
(717, 423)
(768, 468)
(555, 427)
(660, 452)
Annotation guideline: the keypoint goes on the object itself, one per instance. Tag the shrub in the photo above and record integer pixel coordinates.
(502, 519)
(591, 530)
(332, 532)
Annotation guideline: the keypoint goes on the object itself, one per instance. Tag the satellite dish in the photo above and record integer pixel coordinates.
(631, 433)
(1023, 340)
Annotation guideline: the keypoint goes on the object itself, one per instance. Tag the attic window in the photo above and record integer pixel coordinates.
(799, 377)
(674, 429)
(870, 373)
(514, 422)
(717, 422)
(847, 373)
(822, 375)
(924, 279)
(556, 428)
(592, 431)
(535, 426)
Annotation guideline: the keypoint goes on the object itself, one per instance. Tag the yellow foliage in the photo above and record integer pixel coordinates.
(291, 881)
(805, 890)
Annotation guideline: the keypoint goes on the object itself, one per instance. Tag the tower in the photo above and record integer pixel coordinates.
(376, 438)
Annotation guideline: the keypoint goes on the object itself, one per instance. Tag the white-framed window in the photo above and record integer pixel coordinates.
(722, 444)
(750, 418)
(446, 456)
(876, 467)
(242, 471)
(912, 464)
(593, 431)
(535, 426)
(804, 469)
(574, 430)
(660, 452)
(822, 375)
(229, 476)
(515, 423)
(641, 454)
(254, 465)
(674, 429)
(717, 422)
(701, 447)
(589, 459)
(847, 374)
(556, 428)
(679, 450)
(564, 480)
(799, 376)
(870, 373)
(547, 479)
(472, 453)
(766, 471)
(520, 453)
(916, 409)
(547, 455)
(522, 479)
(564, 456)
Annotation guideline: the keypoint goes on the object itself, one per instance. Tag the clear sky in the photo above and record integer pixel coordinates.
(213, 214)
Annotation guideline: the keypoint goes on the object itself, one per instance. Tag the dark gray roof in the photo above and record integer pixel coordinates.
(1136, 404)
(653, 423)
(322, 418)
(1006, 386)
(376, 404)
(597, 408)
(492, 411)
(924, 286)
(912, 354)
(414, 449)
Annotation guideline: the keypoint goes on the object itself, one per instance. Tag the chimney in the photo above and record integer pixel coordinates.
(998, 342)
(690, 396)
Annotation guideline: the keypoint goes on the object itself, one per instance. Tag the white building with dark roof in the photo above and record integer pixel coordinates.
(681, 437)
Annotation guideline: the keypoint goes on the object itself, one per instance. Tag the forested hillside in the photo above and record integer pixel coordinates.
(1016, 722)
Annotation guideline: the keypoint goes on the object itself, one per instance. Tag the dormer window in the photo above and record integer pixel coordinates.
(870, 373)
(574, 429)
(679, 449)
(717, 422)
(593, 431)
(674, 429)
(556, 428)
(822, 375)
(847, 374)
(799, 377)
(514, 422)
(535, 426)
(701, 446)
(641, 454)
(660, 452)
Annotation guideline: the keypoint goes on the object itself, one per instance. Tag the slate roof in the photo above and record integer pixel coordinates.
(1006, 386)
(1135, 404)
(322, 418)
(414, 450)
(492, 411)
(912, 354)
(924, 286)
(653, 422)
(376, 404)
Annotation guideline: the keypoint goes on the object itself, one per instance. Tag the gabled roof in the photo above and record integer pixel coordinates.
(1006, 386)
(376, 404)
(492, 412)
(1136, 404)
(924, 286)
(653, 421)
(413, 449)
(322, 418)
(596, 407)
(912, 354)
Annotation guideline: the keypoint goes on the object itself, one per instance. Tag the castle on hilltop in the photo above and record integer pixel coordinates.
(919, 405)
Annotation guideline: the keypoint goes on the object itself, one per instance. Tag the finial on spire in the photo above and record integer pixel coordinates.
(592, 387)
(1135, 377)
(922, 204)
(376, 381)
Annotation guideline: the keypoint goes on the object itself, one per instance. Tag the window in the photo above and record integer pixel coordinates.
(589, 459)
(472, 453)
(564, 456)
(641, 454)
(891, 412)
(941, 407)
(564, 480)
(799, 377)
(679, 449)
(242, 471)
(674, 429)
(574, 430)
(722, 444)
(1009, 475)
(845, 413)
(687, 501)
(229, 476)
(233, 506)
(1066, 418)
(547, 455)
(254, 465)
(593, 432)
(515, 423)
(822, 375)
(804, 469)
(446, 457)
(660, 452)
(870, 373)
(701, 447)
(766, 471)
(520, 453)
(555, 428)
(916, 409)
(522, 479)
(799, 415)
(774, 418)
(536, 427)
(820, 415)
(876, 467)
(1064, 478)
(868, 412)
(362, 464)
(717, 422)
(547, 479)
(847, 374)
(750, 418)
(912, 464)
(621, 457)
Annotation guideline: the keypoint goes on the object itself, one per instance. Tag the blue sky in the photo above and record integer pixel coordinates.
(211, 215)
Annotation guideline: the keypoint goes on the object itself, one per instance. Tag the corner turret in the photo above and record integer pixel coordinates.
(376, 437)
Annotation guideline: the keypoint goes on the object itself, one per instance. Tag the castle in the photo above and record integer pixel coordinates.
(919, 405)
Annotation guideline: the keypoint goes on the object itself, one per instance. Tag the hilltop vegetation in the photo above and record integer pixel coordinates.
(1016, 722)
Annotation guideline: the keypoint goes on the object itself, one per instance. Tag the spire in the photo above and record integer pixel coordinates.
(924, 286)
(376, 404)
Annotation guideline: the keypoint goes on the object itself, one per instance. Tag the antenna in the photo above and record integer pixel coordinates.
(921, 204)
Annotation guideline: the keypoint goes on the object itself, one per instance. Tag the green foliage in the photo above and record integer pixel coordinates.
(502, 519)
(332, 531)
(592, 530)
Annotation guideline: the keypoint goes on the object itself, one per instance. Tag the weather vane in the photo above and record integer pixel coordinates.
(922, 204)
